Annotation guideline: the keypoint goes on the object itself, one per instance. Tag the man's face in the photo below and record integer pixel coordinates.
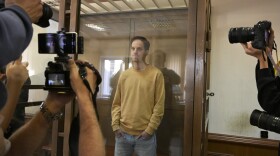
(137, 51)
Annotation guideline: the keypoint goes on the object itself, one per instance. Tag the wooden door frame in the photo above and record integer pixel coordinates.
(195, 78)
(68, 18)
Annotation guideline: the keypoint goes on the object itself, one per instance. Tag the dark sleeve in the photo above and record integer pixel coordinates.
(175, 78)
(15, 33)
(268, 90)
(170, 76)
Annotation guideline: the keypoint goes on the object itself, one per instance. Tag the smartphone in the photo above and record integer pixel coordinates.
(58, 43)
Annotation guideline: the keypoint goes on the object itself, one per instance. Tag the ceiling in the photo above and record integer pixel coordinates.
(119, 18)
(107, 6)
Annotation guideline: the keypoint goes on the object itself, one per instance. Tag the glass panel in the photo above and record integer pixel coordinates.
(106, 45)
(166, 32)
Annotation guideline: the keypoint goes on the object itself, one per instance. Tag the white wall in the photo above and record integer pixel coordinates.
(37, 64)
(232, 71)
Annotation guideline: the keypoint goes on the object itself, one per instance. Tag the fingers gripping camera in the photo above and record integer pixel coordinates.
(58, 75)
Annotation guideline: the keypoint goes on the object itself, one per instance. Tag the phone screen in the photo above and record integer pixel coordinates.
(52, 43)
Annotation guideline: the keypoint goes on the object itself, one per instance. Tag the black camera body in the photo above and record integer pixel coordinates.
(61, 43)
(265, 121)
(258, 34)
(57, 75)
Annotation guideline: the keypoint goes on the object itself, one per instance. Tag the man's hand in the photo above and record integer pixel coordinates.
(17, 72)
(271, 39)
(76, 81)
(118, 133)
(249, 50)
(33, 8)
(56, 101)
(144, 136)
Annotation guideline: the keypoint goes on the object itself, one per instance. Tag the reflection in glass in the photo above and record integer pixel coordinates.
(171, 78)
(168, 133)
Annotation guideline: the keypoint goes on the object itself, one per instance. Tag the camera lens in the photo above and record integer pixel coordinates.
(265, 121)
(47, 14)
(241, 35)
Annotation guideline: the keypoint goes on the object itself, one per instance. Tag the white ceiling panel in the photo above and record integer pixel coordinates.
(111, 6)
(107, 6)
(117, 18)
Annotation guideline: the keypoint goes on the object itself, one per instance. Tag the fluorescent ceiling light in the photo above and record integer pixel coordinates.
(97, 27)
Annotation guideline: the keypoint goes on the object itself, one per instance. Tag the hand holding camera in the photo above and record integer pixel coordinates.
(250, 50)
(38, 12)
(257, 41)
(77, 83)
(55, 102)
(17, 73)
(32, 7)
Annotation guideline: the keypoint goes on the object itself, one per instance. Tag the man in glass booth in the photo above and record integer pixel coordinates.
(138, 105)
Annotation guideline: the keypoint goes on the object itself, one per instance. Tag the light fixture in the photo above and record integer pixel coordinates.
(97, 27)
(162, 23)
(52, 3)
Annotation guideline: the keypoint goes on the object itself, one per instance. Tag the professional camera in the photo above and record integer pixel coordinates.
(265, 121)
(61, 43)
(44, 20)
(258, 34)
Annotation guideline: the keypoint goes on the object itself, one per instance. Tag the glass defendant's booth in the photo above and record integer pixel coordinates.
(177, 31)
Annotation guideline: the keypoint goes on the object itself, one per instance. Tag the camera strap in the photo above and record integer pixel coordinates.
(275, 48)
(83, 74)
(276, 66)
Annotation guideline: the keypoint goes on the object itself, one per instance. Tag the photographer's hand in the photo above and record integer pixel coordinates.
(90, 133)
(262, 57)
(17, 74)
(55, 102)
(271, 39)
(76, 81)
(28, 138)
(33, 8)
(249, 50)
